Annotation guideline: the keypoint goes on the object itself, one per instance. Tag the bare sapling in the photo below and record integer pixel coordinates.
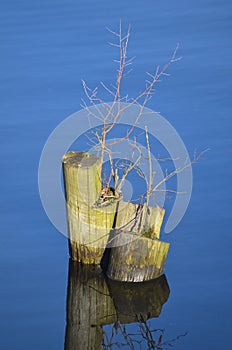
(109, 114)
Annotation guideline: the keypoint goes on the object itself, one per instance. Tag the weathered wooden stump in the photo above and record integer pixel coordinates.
(137, 254)
(131, 231)
(88, 226)
(136, 218)
(136, 258)
(89, 307)
(139, 301)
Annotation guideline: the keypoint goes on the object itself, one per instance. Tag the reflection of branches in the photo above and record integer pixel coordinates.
(121, 337)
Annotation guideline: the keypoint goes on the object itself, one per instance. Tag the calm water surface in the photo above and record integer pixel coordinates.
(47, 47)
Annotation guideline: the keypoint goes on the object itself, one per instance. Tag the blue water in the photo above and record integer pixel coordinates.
(47, 47)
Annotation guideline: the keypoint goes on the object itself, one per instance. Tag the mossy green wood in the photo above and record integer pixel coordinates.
(136, 258)
(131, 218)
(139, 301)
(89, 307)
(88, 227)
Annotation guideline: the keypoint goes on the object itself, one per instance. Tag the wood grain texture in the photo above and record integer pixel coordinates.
(131, 230)
(133, 219)
(88, 226)
(136, 258)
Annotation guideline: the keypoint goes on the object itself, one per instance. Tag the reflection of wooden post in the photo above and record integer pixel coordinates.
(135, 301)
(89, 307)
(89, 227)
(93, 301)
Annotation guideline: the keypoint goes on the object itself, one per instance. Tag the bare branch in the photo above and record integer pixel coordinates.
(186, 165)
(110, 115)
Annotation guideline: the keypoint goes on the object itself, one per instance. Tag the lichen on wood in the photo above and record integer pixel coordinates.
(139, 218)
(131, 230)
(88, 226)
(136, 258)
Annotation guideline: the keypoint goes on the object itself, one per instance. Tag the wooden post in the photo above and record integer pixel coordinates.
(131, 230)
(88, 226)
(136, 258)
(137, 254)
(89, 307)
(149, 221)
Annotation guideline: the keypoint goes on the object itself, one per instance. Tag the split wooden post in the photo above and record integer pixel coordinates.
(149, 221)
(88, 226)
(136, 258)
(137, 254)
(132, 231)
